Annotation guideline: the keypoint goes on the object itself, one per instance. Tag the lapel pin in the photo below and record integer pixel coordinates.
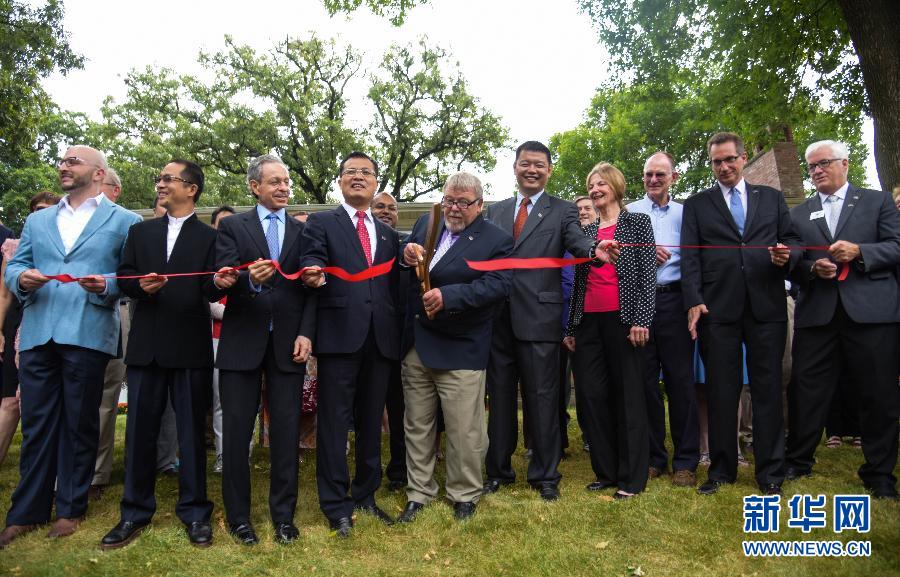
(383, 238)
(540, 215)
(471, 238)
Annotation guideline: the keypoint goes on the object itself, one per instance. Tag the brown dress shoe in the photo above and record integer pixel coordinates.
(95, 492)
(684, 478)
(654, 472)
(11, 532)
(63, 527)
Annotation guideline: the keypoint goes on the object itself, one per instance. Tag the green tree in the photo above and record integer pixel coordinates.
(33, 45)
(394, 10)
(293, 100)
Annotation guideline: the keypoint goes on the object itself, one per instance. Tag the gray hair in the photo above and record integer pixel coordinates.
(838, 149)
(464, 181)
(113, 177)
(254, 169)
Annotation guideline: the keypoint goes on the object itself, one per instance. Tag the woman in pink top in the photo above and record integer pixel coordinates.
(610, 313)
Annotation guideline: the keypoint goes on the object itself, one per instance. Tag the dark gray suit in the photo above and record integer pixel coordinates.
(525, 343)
(850, 323)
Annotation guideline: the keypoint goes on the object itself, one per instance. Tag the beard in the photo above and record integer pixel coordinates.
(77, 182)
(454, 226)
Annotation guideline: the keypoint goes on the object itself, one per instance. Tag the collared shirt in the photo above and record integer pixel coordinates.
(175, 225)
(447, 240)
(369, 223)
(263, 212)
(666, 222)
(520, 197)
(742, 190)
(71, 222)
(837, 202)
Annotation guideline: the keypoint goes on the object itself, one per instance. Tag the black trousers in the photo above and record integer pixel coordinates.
(843, 414)
(396, 467)
(565, 394)
(149, 391)
(352, 391)
(536, 366)
(609, 389)
(239, 392)
(671, 350)
(720, 347)
(820, 354)
(61, 387)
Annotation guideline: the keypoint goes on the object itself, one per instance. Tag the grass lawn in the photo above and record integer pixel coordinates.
(665, 531)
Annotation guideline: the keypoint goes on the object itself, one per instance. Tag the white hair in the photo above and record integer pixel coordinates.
(838, 149)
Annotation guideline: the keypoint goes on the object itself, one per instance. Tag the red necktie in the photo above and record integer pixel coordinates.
(363, 235)
(521, 217)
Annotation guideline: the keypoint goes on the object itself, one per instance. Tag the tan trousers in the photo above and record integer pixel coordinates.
(461, 394)
(109, 406)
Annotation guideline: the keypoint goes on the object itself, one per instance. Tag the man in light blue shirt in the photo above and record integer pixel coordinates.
(670, 348)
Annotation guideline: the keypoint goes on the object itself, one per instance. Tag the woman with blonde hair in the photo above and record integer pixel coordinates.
(610, 313)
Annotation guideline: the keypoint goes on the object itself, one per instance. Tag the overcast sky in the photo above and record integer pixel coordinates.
(534, 63)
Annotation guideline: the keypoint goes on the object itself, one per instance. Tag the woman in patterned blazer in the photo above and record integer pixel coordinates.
(610, 313)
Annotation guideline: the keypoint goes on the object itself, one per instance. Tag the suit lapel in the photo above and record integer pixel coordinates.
(53, 232)
(815, 205)
(504, 216)
(103, 213)
(851, 199)
(383, 243)
(718, 200)
(291, 234)
(158, 233)
(466, 238)
(752, 206)
(255, 230)
(540, 209)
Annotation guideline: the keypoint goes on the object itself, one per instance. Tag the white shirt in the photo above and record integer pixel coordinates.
(837, 202)
(175, 225)
(520, 197)
(742, 193)
(369, 224)
(71, 222)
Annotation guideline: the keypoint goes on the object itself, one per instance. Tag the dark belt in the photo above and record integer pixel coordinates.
(674, 287)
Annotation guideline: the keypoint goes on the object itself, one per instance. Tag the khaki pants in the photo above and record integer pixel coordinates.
(461, 394)
(109, 406)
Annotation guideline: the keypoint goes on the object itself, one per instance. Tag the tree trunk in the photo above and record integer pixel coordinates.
(874, 27)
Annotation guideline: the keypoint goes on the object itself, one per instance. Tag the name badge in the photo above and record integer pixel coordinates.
(817, 214)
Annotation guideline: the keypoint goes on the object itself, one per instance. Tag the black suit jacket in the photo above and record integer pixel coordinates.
(459, 336)
(724, 279)
(346, 311)
(171, 327)
(869, 294)
(535, 297)
(287, 306)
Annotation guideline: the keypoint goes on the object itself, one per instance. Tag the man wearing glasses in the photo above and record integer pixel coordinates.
(69, 331)
(736, 295)
(850, 324)
(357, 338)
(444, 352)
(169, 354)
(266, 328)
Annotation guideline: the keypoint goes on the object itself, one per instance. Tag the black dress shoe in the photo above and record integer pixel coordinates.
(376, 512)
(710, 487)
(409, 513)
(463, 511)
(200, 533)
(599, 486)
(884, 492)
(548, 491)
(342, 527)
(244, 533)
(770, 489)
(286, 533)
(493, 485)
(792, 473)
(122, 534)
(395, 486)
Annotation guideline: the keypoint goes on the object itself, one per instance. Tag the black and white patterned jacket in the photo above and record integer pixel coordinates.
(636, 269)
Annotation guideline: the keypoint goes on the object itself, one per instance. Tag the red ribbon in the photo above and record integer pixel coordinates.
(369, 273)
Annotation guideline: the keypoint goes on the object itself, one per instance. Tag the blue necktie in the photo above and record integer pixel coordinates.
(272, 237)
(737, 209)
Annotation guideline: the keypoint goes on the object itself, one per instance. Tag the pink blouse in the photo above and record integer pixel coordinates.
(602, 288)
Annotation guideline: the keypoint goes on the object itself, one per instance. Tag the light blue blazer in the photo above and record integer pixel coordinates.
(66, 313)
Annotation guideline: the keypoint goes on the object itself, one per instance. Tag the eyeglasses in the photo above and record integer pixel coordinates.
(70, 161)
(659, 175)
(354, 171)
(823, 164)
(726, 160)
(168, 179)
(462, 203)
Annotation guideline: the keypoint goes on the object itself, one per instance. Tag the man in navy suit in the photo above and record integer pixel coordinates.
(445, 356)
(68, 334)
(357, 337)
(266, 328)
(849, 325)
(735, 295)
